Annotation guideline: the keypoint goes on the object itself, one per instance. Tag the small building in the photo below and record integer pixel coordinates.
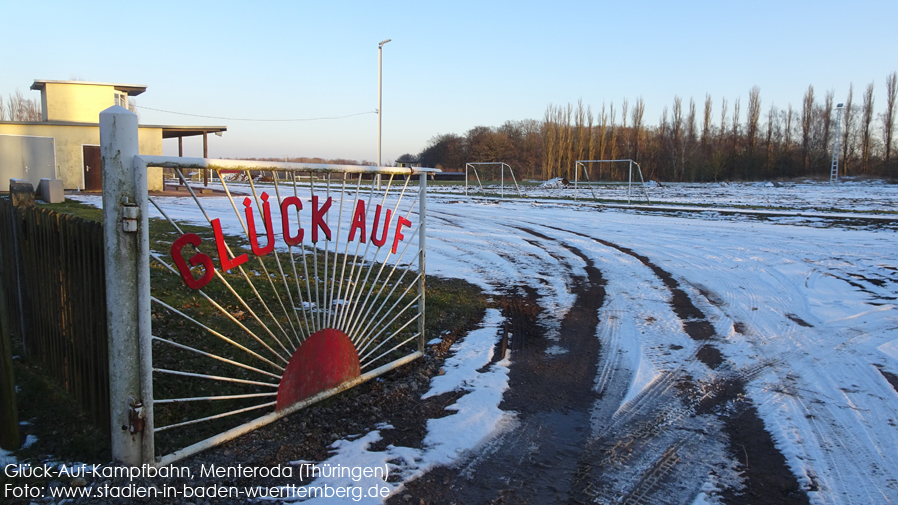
(65, 144)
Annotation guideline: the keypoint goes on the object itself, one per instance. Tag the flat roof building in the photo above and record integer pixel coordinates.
(65, 144)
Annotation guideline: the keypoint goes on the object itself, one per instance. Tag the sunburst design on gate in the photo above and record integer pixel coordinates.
(296, 284)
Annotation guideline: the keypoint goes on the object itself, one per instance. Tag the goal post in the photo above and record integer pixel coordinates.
(630, 165)
(502, 167)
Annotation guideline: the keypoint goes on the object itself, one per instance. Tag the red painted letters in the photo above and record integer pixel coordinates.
(226, 264)
(358, 221)
(194, 240)
(251, 225)
(317, 218)
(398, 235)
(318, 222)
(285, 220)
(379, 242)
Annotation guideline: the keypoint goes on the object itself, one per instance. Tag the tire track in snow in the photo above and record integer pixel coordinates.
(769, 481)
(552, 394)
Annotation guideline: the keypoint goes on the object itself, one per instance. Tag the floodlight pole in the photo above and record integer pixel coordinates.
(380, 81)
(834, 169)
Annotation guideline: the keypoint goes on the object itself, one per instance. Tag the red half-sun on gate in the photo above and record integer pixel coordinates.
(323, 361)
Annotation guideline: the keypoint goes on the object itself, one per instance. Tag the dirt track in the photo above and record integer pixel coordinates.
(576, 443)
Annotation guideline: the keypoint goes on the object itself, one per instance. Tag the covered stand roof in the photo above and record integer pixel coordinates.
(171, 132)
(131, 89)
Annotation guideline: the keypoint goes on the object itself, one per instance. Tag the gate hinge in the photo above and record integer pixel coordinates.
(130, 213)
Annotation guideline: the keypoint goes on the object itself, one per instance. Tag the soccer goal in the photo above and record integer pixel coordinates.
(630, 181)
(492, 171)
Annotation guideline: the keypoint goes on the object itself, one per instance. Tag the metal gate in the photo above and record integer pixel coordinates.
(290, 283)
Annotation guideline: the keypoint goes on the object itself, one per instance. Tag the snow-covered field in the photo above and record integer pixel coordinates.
(847, 195)
(810, 311)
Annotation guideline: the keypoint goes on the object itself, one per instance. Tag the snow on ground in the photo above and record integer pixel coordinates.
(813, 309)
(449, 438)
(848, 194)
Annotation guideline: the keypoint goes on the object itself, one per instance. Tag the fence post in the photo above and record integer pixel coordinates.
(126, 242)
(9, 414)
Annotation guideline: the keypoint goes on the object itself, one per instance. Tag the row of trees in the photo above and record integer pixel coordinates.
(692, 141)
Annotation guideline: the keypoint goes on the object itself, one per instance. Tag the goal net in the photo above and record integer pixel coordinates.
(615, 177)
(489, 177)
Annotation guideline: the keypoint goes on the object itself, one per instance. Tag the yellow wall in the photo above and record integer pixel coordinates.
(80, 103)
(150, 143)
(69, 153)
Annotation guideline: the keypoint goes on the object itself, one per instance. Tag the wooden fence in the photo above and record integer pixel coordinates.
(54, 276)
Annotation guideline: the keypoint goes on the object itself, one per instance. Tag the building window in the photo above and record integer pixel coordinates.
(121, 99)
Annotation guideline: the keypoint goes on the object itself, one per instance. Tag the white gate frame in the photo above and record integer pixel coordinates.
(127, 254)
(582, 163)
(502, 183)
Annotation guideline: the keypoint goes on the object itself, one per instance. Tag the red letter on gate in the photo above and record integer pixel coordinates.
(318, 218)
(285, 220)
(358, 221)
(383, 239)
(196, 259)
(226, 264)
(251, 226)
(398, 236)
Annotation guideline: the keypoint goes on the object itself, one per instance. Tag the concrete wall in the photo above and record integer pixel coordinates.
(69, 152)
(28, 158)
(80, 103)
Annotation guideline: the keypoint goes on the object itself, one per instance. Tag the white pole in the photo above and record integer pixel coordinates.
(422, 243)
(127, 279)
(380, 81)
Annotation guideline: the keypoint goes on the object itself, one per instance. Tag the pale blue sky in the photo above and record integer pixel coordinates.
(450, 66)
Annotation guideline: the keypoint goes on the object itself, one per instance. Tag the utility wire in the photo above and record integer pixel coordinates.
(250, 119)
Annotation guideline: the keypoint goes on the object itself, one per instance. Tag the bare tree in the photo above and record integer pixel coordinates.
(603, 128)
(848, 132)
(591, 151)
(638, 111)
(888, 117)
(866, 133)
(581, 130)
(613, 140)
(706, 121)
(676, 130)
(734, 137)
(567, 151)
(826, 113)
(689, 144)
(787, 133)
(623, 117)
(20, 108)
(807, 118)
(768, 141)
(754, 117)
(549, 141)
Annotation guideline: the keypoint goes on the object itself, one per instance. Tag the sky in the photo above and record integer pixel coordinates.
(450, 66)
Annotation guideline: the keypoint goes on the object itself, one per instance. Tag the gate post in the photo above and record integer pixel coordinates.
(126, 240)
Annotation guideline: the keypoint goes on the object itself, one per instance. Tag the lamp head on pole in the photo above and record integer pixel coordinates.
(382, 43)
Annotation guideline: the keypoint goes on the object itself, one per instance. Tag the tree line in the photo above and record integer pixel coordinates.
(708, 141)
(19, 108)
